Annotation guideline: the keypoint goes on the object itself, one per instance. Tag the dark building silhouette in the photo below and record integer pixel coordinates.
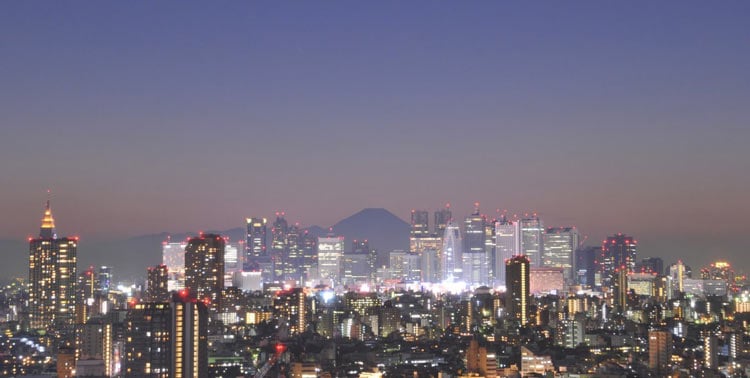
(204, 269)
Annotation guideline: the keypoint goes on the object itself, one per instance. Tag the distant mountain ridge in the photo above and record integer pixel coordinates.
(130, 257)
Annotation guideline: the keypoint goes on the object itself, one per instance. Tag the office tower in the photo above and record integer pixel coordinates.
(430, 266)
(517, 288)
(659, 351)
(532, 242)
(173, 256)
(255, 238)
(617, 251)
(85, 295)
(442, 218)
(167, 339)
(294, 258)
(232, 261)
(620, 288)
(330, 251)
(104, 280)
(451, 254)
(678, 273)
(419, 224)
(363, 247)
(279, 247)
(506, 243)
(404, 266)
(650, 265)
(490, 251)
(586, 267)
(157, 286)
(290, 307)
(559, 245)
(356, 268)
(94, 348)
(474, 256)
(204, 269)
(52, 277)
(308, 243)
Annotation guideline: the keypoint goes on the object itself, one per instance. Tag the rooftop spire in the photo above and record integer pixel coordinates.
(47, 231)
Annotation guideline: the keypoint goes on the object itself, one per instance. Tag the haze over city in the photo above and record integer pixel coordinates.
(146, 117)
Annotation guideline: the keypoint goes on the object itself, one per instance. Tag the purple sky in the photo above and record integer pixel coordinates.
(613, 116)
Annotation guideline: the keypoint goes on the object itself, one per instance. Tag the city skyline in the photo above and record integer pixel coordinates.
(608, 118)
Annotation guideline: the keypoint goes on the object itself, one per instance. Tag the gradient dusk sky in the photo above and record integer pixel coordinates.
(146, 116)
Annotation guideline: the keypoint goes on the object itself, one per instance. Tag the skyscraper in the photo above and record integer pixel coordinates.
(618, 251)
(204, 269)
(167, 339)
(559, 245)
(290, 307)
(330, 252)
(532, 242)
(157, 289)
(419, 223)
(173, 256)
(255, 238)
(52, 277)
(474, 258)
(451, 253)
(442, 217)
(517, 284)
(279, 246)
(586, 266)
(506, 246)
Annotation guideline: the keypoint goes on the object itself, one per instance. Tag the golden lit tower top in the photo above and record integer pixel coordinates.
(47, 231)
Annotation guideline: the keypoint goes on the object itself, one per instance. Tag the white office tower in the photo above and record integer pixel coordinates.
(173, 256)
(451, 256)
(506, 239)
(559, 245)
(330, 253)
(532, 243)
(232, 262)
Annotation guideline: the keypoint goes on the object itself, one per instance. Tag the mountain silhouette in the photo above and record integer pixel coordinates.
(383, 230)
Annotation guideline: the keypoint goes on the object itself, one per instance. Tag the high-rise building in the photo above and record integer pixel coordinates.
(559, 245)
(167, 339)
(85, 295)
(479, 361)
(650, 265)
(157, 289)
(330, 251)
(255, 238)
(419, 223)
(490, 252)
(517, 288)
(308, 244)
(474, 257)
(532, 242)
(52, 277)
(173, 256)
(294, 257)
(232, 261)
(618, 251)
(586, 268)
(279, 246)
(451, 253)
(94, 341)
(290, 307)
(104, 280)
(659, 351)
(506, 246)
(204, 269)
(442, 218)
